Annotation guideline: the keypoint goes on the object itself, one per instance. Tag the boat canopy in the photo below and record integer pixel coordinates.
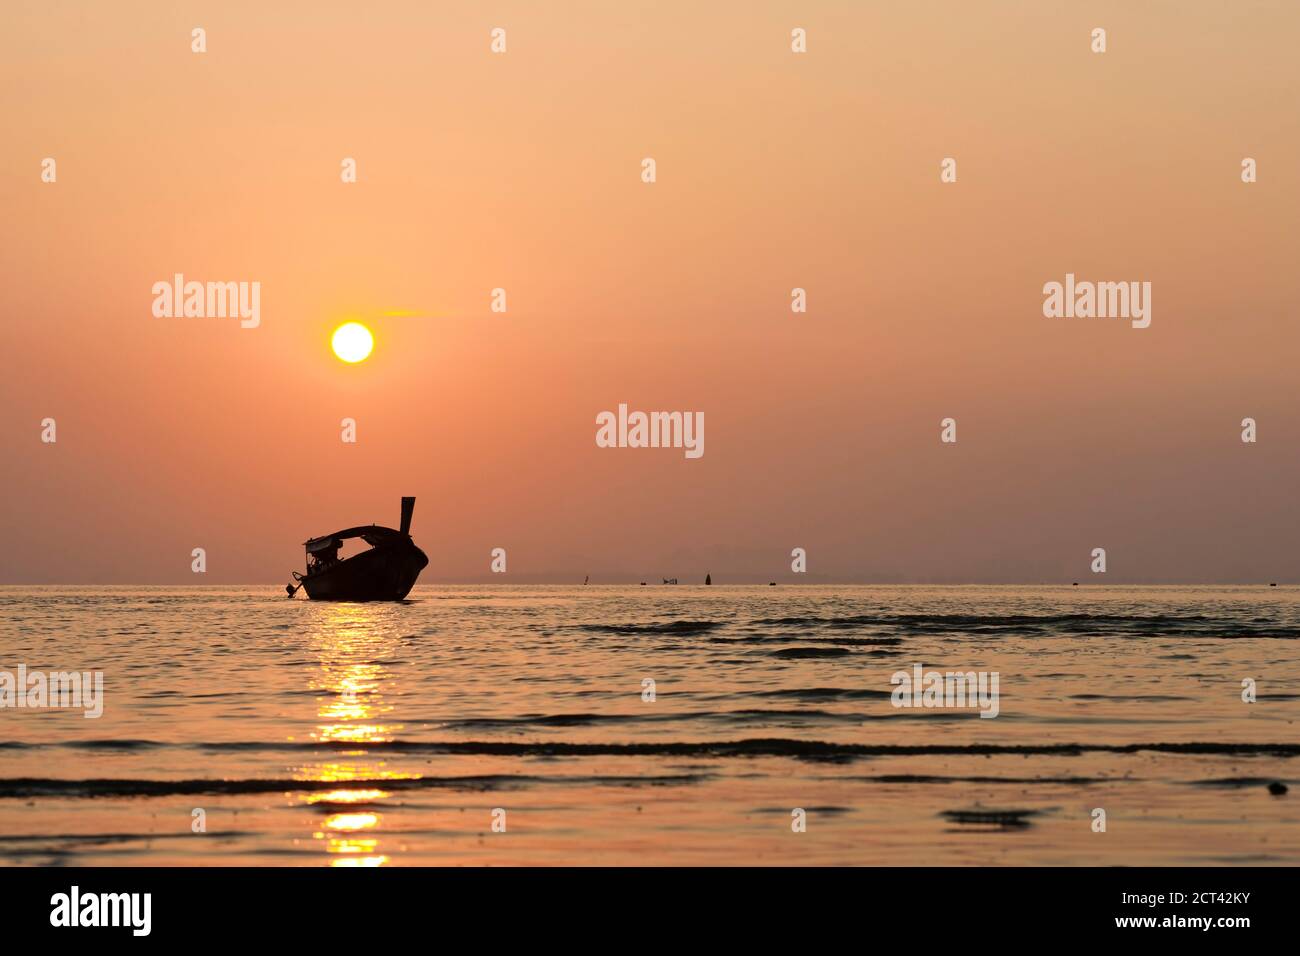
(371, 534)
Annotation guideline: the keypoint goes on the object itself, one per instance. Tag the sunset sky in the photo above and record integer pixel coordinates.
(774, 170)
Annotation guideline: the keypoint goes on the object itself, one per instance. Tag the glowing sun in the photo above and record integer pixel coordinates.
(352, 342)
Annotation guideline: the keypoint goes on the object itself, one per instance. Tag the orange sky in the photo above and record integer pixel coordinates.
(775, 170)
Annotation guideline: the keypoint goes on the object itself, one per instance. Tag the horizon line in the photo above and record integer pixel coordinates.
(750, 583)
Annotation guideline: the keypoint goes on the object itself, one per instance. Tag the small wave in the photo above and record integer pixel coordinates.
(1199, 625)
(842, 641)
(1145, 698)
(40, 844)
(920, 778)
(856, 620)
(541, 720)
(754, 747)
(821, 694)
(678, 628)
(827, 809)
(1001, 819)
(1234, 783)
(30, 787)
(799, 653)
(747, 716)
(760, 716)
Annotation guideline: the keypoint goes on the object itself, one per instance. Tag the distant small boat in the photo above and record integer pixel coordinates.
(386, 572)
(670, 580)
(708, 578)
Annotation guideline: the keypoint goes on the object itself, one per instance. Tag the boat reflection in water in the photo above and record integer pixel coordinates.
(354, 684)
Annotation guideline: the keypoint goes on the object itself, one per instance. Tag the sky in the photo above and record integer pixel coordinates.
(775, 170)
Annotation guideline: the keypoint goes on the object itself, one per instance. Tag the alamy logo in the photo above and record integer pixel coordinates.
(1102, 300)
(953, 689)
(103, 909)
(651, 430)
(74, 690)
(208, 300)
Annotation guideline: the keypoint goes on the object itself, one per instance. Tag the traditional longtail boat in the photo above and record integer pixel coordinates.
(386, 572)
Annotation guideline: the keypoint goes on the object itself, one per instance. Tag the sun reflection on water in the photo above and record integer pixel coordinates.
(352, 645)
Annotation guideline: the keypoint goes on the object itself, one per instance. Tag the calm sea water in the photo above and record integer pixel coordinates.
(320, 734)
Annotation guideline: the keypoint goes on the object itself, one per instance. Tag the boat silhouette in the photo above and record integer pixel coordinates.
(386, 572)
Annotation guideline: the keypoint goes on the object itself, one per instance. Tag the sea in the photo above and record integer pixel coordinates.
(656, 725)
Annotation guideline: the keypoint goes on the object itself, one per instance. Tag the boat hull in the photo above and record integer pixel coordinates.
(384, 573)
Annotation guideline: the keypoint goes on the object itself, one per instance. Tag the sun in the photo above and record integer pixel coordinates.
(352, 342)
